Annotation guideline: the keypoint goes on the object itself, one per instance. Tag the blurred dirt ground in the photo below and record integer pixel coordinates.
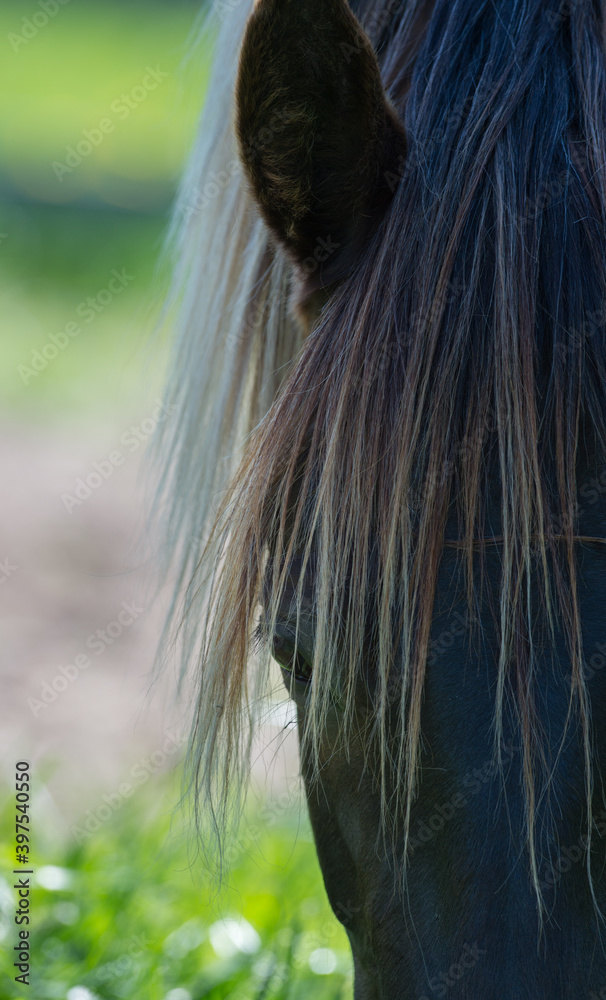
(71, 581)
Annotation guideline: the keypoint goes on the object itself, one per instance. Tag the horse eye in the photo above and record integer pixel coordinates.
(291, 659)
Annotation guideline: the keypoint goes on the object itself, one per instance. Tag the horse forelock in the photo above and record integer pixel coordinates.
(447, 389)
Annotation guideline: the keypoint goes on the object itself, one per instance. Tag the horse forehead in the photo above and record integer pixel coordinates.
(297, 590)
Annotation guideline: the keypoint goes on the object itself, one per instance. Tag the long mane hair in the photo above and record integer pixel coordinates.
(461, 362)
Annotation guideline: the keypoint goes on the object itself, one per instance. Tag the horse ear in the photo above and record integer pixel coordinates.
(318, 138)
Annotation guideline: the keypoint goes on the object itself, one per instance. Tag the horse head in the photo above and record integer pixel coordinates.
(421, 231)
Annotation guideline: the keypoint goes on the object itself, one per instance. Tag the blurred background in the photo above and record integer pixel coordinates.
(98, 108)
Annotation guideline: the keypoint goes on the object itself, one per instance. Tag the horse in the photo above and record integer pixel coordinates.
(384, 469)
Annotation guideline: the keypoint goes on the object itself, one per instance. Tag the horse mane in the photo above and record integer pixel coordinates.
(234, 335)
(454, 372)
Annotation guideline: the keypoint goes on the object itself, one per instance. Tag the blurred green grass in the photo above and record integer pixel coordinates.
(127, 918)
(65, 79)
(99, 367)
(123, 915)
(53, 260)
(60, 239)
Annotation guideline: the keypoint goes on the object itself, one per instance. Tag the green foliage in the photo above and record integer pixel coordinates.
(60, 237)
(130, 917)
(73, 73)
(52, 262)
